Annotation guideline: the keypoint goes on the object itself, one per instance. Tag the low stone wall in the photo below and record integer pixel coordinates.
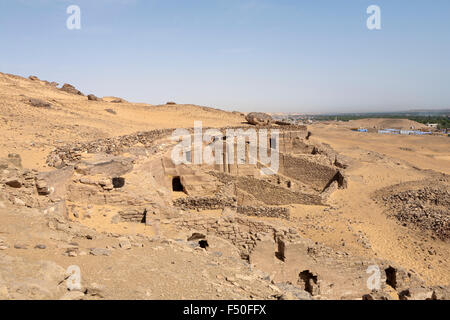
(133, 215)
(214, 203)
(273, 212)
(205, 203)
(72, 153)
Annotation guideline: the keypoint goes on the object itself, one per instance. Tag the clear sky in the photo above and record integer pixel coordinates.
(248, 55)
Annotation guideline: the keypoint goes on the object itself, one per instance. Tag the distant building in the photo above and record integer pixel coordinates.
(432, 125)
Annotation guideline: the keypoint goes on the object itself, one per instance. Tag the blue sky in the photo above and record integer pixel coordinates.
(248, 55)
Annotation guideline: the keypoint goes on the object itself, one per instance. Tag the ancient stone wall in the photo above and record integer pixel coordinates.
(261, 211)
(205, 203)
(244, 233)
(308, 171)
(72, 153)
(273, 194)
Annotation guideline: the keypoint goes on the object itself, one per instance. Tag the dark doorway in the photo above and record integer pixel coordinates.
(309, 281)
(391, 277)
(176, 184)
(203, 244)
(280, 253)
(118, 182)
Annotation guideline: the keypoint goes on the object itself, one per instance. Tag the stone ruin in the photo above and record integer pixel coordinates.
(136, 177)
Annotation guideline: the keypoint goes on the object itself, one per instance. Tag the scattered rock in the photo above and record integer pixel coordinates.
(124, 243)
(377, 295)
(14, 183)
(100, 252)
(416, 293)
(38, 103)
(111, 111)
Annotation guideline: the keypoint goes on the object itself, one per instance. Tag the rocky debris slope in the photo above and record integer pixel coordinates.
(427, 208)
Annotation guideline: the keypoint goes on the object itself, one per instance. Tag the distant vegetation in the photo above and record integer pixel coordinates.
(442, 118)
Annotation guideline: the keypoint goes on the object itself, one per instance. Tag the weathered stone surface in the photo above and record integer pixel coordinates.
(100, 252)
(109, 166)
(54, 182)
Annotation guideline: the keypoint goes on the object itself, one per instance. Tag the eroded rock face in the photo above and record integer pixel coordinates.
(258, 118)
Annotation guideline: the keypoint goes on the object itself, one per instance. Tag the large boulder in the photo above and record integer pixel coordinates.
(258, 118)
(107, 165)
(92, 97)
(71, 89)
(54, 183)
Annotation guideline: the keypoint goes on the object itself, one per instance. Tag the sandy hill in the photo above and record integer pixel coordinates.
(382, 123)
(65, 117)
